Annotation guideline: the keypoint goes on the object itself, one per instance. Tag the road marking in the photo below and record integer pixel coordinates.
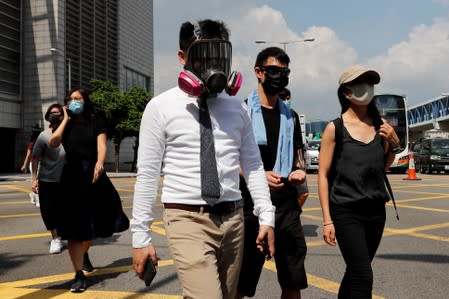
(420, 228)
(89, 294)
(445, 196)
(311, 209)
(19, 288)
(15, 202)
(328, 285)
(29, 236)
(442, 185)
(69, 276)
(19, 215)
(318, 282)
(313, 217)
(22, 189)
(155, 227)
(125, 189)
(421, 208)
(415, 232)
(419, 192)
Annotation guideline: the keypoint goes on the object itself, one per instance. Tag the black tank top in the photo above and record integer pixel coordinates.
(359, 171)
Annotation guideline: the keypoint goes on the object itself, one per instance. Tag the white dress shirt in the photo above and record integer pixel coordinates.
(169, 145)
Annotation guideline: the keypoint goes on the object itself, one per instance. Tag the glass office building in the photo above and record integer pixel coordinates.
(49, 46)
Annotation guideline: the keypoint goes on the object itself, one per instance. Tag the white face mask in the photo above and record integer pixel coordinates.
(362, 94)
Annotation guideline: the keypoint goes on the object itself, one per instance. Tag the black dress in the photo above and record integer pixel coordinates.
(88, 210)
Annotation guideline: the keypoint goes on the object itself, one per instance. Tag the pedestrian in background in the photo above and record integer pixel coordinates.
(47, 163)
(91, 206)
(303, 189)
(198, 136)
(351, 179)
(26, 165)
(278, 135)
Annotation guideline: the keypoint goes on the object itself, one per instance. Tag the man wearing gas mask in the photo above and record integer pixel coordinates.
(197, 135)
(278, 135)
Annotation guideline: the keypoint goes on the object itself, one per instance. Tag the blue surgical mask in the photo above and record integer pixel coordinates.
(76, 107)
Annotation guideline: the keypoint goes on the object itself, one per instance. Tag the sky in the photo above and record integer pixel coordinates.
(407, 42)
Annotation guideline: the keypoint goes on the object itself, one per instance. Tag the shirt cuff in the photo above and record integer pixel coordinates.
(141, 239)
(267, 217)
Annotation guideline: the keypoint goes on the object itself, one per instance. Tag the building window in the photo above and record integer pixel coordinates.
(134, 78)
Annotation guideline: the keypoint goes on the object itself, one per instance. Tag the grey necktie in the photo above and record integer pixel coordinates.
(210, 186)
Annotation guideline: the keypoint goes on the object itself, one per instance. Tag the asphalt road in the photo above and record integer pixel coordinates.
(412, 261)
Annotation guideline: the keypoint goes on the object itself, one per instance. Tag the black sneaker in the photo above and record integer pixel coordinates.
(79, 284)
(87, 265)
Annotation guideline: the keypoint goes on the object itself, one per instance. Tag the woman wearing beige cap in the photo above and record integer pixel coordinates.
(356, 149)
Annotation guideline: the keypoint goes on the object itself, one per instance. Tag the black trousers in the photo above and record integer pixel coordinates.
(358, 228)
(50, 196)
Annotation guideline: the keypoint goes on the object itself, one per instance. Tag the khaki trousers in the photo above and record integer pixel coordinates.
(207, 249)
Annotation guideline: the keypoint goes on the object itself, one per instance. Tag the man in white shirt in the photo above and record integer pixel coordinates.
(205, 239)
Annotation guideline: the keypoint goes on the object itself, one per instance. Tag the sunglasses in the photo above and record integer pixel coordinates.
(275, 70)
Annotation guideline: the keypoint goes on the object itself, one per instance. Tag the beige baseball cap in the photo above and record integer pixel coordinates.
(355, 71)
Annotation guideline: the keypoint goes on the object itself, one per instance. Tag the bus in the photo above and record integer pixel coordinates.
(393, 108)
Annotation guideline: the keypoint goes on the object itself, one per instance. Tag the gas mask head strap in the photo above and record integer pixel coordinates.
(197, 31)
(199, 34)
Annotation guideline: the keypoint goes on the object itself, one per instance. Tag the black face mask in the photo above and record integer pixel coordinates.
(54, 119)
(274, 84)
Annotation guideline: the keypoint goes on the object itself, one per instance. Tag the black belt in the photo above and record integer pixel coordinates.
(222, 208)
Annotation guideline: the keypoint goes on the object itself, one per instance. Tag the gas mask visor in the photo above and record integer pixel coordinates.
(210, 61)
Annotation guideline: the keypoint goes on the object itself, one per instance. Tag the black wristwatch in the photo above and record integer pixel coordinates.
(396, 149)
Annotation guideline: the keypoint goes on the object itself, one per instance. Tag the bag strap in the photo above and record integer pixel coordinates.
(390, 193)
(338, 123)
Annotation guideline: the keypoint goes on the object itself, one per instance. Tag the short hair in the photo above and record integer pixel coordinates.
(276, 52)
(55, 105)
(204, 29)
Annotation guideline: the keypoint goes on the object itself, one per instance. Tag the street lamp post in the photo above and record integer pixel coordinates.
(284, 43)
(69, 67)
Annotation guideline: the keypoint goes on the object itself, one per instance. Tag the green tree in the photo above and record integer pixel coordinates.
(137, 99)
(123, 111)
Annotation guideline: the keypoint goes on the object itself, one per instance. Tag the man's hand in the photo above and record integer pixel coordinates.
(274, 180)
(297, 177)
(266, 234)
(140, 257)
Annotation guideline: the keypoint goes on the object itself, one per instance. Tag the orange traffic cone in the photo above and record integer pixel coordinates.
(411, 174)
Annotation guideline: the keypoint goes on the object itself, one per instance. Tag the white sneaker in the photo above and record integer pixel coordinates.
(32, 200)
(55, 246)
(36, 199)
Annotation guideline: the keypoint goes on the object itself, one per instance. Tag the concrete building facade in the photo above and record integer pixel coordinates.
(49, 46)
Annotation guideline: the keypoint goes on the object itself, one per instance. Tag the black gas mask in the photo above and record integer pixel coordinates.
(207, 68)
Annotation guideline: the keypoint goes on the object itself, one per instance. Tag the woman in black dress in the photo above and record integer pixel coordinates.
(90, 205)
